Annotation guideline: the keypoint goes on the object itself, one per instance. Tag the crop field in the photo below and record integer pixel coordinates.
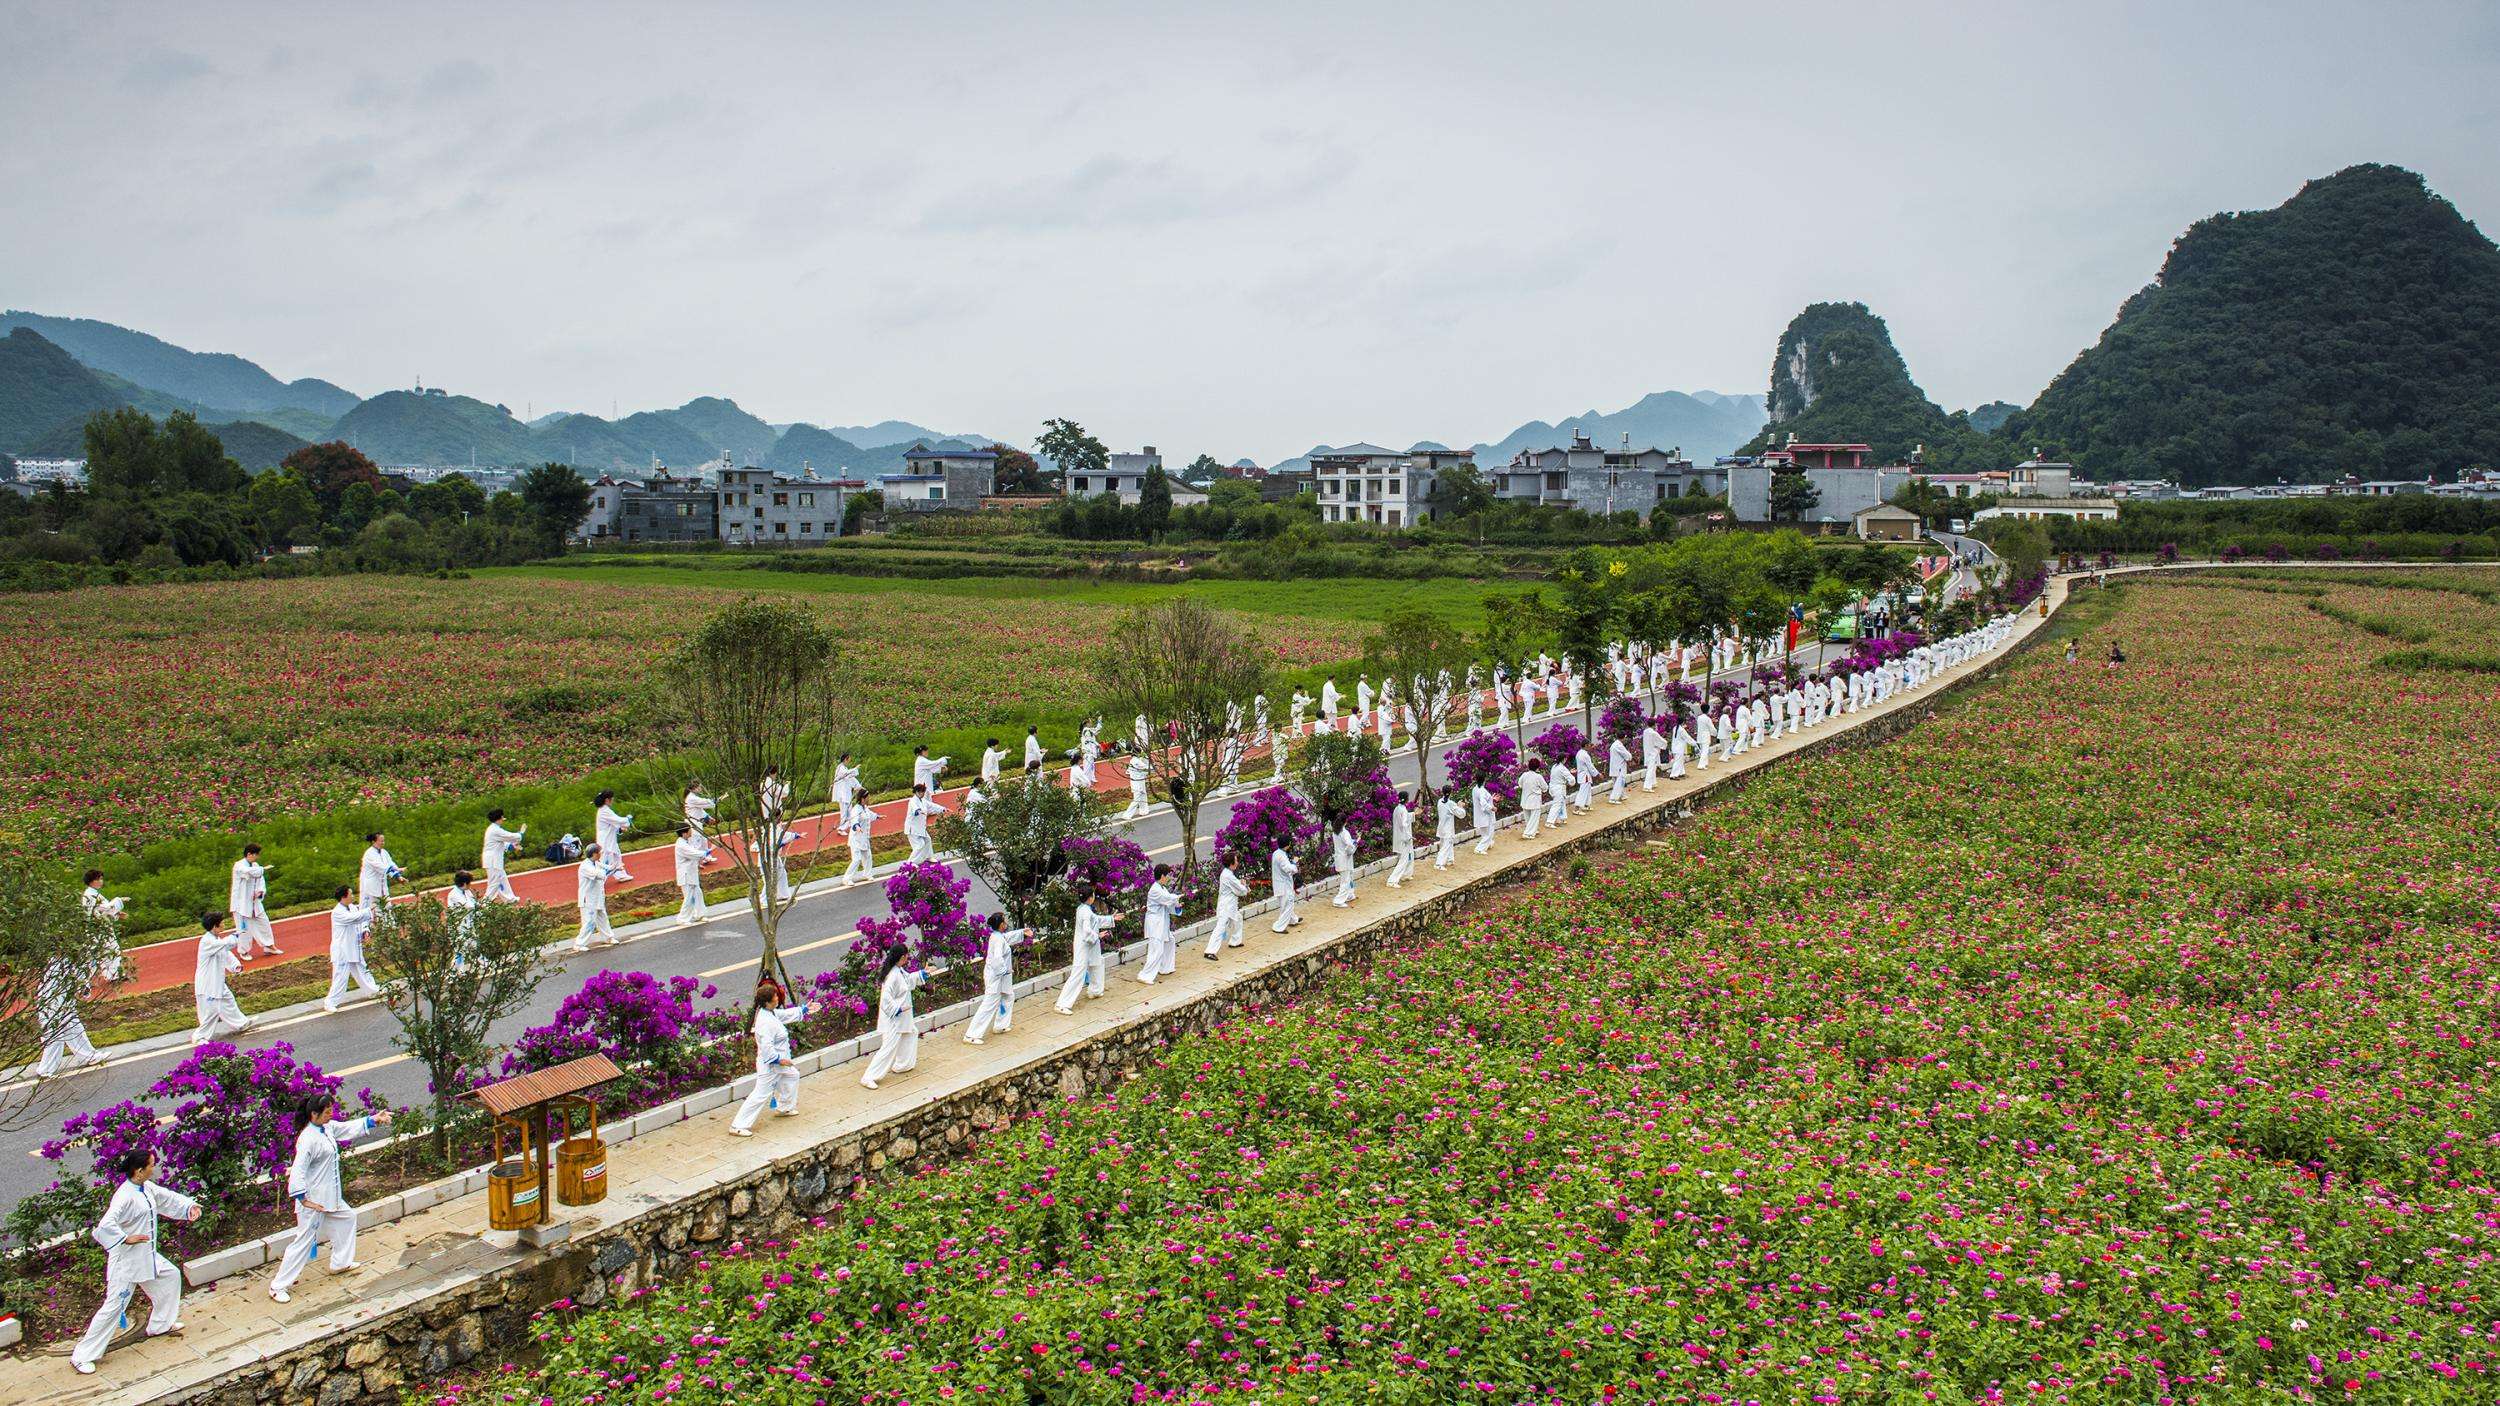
(2116, 1035)
(150, 727)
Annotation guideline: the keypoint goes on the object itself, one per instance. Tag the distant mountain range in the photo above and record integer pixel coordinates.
(1704, 424)
(57, 371)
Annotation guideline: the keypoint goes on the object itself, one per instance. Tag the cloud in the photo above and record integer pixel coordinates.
(165, 68)
(1120, 191)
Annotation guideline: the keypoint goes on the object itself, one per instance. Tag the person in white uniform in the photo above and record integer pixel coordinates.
(1341, 849)
(65, 985)
(108, 913)
(131, 1258)
(1163, 904)
(993, 757)
(1678, 748)
(776, 1073)
(1138, 805)
(1281, 874)
(462, 905)
(609, 827)
(1402, 839)
(247, 897)
(997, 1007)
(1558, 794)
(1446, 815)
(1034, 753)
(1085, 955)
(916, 813)
(492, 854)
(1652, 746)
(1483, 813)
(1230, 890)
(212, 1000)
(1531, 804)
(375, 873)
(349, 922)
(898, 1023)
(1618, 770)
(590, 895)
(313, 1182)
(925, 769)
(858, 825)
(691, 853)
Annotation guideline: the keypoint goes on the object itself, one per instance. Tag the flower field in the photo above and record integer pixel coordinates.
(158, 715)
(2115, 1035)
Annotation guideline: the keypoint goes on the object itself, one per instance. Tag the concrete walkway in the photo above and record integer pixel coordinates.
(233, 1325)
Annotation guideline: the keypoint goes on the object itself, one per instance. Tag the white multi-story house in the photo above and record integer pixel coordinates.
(1366, 483)
(1581, 475)
(1125, 475)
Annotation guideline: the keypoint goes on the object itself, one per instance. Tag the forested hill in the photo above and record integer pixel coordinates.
(1836, 377)
(2353, 329)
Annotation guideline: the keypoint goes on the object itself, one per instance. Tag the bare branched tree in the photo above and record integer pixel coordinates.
(52, 952)
(1429, 658)
(755, 684)
(1183, 666)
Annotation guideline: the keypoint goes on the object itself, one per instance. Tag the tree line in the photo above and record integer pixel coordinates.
(166, 497)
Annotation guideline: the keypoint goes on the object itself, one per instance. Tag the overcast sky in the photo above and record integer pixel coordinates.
(1240, 229)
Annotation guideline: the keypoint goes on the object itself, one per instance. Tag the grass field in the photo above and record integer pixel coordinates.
(152, 728)
(2115, 1035)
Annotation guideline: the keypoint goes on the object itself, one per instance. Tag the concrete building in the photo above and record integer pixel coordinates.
(1845, 490)
(963, 478)
(2040, 509)
(1366, 483)
(1885, 523)
(2037, 477)
(669, 509)
(1593, 480)
(1125, 475)
(759, 507)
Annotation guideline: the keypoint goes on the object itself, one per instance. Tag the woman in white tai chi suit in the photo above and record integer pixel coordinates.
(212, 1000)
(1401, 839)
(1281, 873)
(776, 1074)
(691, 853)
(313, 1182)
(1341, 848)
(131, 1260)
(1484, 814)
(610, 828)
(1085, 955)
(1531, 806)
(247, 896)
(492, 854)
(1162, 906)
(1446, 814)
(590, 896)
(898, 1023)
(1230, 890)
(997, 1010)
(349, 923)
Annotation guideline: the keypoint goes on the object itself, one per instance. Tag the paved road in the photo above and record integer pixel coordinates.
(356, 1042)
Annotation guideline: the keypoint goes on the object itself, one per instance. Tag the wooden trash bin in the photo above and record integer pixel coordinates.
(519, 1185)
(512, 1199)
(582, 1160)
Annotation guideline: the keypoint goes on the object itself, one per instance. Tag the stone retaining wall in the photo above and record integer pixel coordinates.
(426, 1340)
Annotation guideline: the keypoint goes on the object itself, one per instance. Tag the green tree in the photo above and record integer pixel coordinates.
(1013, 840)
(1154, 504)
(1182, 666)
(1019, 472)
(1071, 450)
(282, 508)
(329, 470)
(556, 499)
(447, 499)
(1793, 495)
(51, 954)
(1203, 469)
(755, 686)
(452, 974)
